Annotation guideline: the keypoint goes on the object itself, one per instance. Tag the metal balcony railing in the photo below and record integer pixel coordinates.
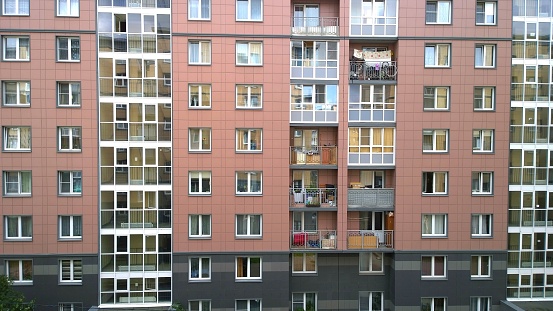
(368, 70)
(370, 239)
(315, 26)
(313, 197)
(323, 155)
(317, 239)
(371, 198)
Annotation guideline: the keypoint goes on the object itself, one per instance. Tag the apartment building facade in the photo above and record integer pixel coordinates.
(250, 154)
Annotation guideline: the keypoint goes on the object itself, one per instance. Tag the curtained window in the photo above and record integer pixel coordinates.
(71, 227)
(200, 225)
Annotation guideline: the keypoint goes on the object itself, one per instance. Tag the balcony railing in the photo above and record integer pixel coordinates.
(371, 198)
(366, 70)
(313, 197)
(315, 26)
(318, 239)
(370, 239)
(322, 155)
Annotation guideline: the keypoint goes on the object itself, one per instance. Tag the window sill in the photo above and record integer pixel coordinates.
(67, 61)
(70, 150)
(481, 278)
(436, 109)
(16, 60)
(245, 280)
(483, 194)
(70, 194)
(371, 272)
(18, 239)
(249, 65)
(434, 236)
(199, 237)
(200, 107)
(194, 194)
(434, 194)
(70, 239)
(199, 19)
(304, 273)
(199, 280)
(254, 194)
(199, 64)
(69, 283)
(17, 150)
(70, 16)
(484, 67)
(436, 67)
(199, 151)
(69, 106)
(22, 283)
(433, 278)
(252, 108)
(248, 237)
(15, 195)
(16, 106)
(473, 236)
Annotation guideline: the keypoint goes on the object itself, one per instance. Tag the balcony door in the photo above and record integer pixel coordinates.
(306, 15)
(305, 179)
(308, 139)
(372, 179)
(305, 221)
(371, 220)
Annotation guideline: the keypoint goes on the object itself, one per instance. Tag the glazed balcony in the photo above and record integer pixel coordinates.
(313, 197)
(381, 198)
(314, 155)
(370, 239)
(317, 239)
(373, 70)
(315, 26)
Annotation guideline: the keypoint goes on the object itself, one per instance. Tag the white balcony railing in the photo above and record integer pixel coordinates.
(315, 26)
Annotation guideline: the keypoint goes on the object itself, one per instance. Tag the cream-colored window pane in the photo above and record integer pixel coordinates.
(205, 52)
(150, 156)
(443, 55)
(442, 99)
(149, 68)
(150, 113)
(440, 181)
(135, 68)
(135, 114)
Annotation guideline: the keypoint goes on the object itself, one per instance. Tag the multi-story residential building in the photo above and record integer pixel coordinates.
(277, 155)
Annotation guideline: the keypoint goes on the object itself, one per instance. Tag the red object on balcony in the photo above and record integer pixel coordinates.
(299, 238)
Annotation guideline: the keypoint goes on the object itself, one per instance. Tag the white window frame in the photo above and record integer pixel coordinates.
(433, 303)
(482, 271)
(433, 93)
(70, 48)
(21, 277)
(201, 262)
(433, 57)
(249, 96)
(434, 190)
(430, 221)
(14, 142)
(196, 136)
(433, 267)
(22, 91)
(369, 135)
(200, 176)
(197, 102)
(69, 131)
(249, 17)
(199, 45)
(481, 225)
(318, 91)
(74, 269)
(381, 99)
(250, 182)
(482, 58)
(22, 221)
(486, 10)
(480, 304)
(203, 233)
(69, 7)
(435, 134)
(301, 301)
(249, 47)
(197, 9)
(18, 8)
(17, 47)
(367, 263)
(248, 266)
(484, 98)
(369, 298)
(70, 306)
(304, 259)
(73, 100)
(479, 137)
(75, 230)
(440, 6)
(247, 145)
(199, 305)
(478, 182)
(74, 176)
(20, 189)
(251, 221)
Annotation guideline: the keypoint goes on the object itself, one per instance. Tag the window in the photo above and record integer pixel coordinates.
(20, 271)
(16, 93)
(436, 55)
(304, 301)
(69, 49)
(434, 183)
(304, 263)
(70, 306)
(433, 304)
(481, 225)
(70, 182)
(484, 98)
(200, 96)
(314, 97)
(199, 305)
(433, 266)
(199, 139)
(17, 138)
(199, 52)
(69, 94)
(248, 268)
(15, 7)
(248, 96)
(71, 271)
(199, 182)
(249, 53)
(438, 12)
(199, 9)
(68, 8)
(371, 262)
(248, 305)
(484, 55)
(249, 10)
(482, 182)
(480, 304)
(248, 139)
(16, 48)
(371, 301)
(17, 183)
(18, 227)
(69, 138)
(435, 140)
(434, 225)
(199, 226)
(248, 226)
(486, 12)
(436, 97)
(71, 227)
(200, 269)
(482, 141)
(249, 182)
(480, 266)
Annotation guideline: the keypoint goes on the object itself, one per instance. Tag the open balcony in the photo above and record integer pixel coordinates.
(373, 70)
(370, 239)
(313, 197)
(315, 26)
(382, 198)
(318, 239)
(313, 155)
